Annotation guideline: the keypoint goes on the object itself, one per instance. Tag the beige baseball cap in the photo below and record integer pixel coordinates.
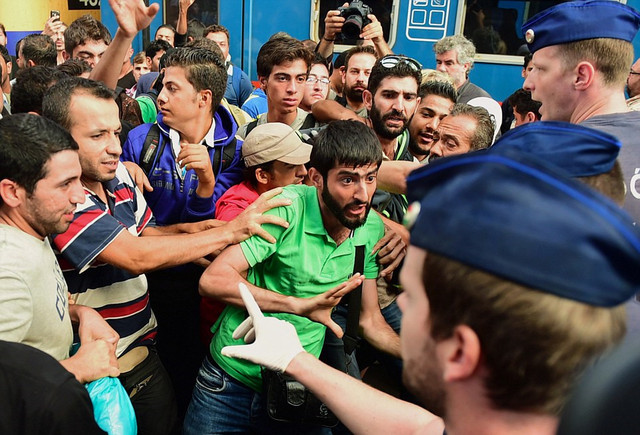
(274, 141)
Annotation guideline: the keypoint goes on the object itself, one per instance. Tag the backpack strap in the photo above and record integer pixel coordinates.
(350, 338)
(223, 156)
(150, 149)
(253, 124)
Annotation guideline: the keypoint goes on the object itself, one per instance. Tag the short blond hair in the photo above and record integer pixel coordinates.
(534, 344)
(611, 57)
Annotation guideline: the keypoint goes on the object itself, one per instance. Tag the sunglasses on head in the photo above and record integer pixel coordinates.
(392, 60)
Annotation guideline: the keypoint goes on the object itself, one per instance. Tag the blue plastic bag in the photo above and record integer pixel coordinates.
(112, 408)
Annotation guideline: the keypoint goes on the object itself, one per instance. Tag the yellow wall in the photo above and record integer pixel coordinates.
(30, 15)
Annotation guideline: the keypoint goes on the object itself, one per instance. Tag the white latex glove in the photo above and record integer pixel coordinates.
(273, 343)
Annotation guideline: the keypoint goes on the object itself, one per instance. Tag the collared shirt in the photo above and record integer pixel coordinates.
(304, 262)
(120, 297)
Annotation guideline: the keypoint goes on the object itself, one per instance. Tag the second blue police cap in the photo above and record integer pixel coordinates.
(580, 20)
(525, 221)
(577, 150)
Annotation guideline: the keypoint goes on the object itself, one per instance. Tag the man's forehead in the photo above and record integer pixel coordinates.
(398, 84)
(81, 105)
(437, 101)
(91, 46)
(362, 61)
(362, 170)
(457, 124)
(294, 67)
(217, 36)
(448, 55)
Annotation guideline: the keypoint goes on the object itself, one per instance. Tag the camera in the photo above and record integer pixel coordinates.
(355, 16)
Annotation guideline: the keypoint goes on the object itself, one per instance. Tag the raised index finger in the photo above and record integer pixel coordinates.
(250, 302)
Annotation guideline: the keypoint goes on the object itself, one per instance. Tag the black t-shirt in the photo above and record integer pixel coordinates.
(38, 396)
(127, 81)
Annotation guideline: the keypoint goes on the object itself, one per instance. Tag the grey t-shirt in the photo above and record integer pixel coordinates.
(34, 304)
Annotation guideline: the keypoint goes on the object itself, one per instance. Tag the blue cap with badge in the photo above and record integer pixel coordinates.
(526, 221)
(580, 151)
(580, 20)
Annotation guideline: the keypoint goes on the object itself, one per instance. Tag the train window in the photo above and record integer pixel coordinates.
(203, 10)
(384, 10)
(494, 26)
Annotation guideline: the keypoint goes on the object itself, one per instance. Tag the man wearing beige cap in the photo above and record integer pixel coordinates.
(274, 156)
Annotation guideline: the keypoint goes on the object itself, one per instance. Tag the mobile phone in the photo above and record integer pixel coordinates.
(55, 14)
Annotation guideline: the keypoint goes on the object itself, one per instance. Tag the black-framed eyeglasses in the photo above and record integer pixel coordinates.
(313, 79)
(392, 60)
(634, 73)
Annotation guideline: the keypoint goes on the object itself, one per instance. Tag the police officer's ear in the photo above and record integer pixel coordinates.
(584, 75)
(316, 178)
(460, 355)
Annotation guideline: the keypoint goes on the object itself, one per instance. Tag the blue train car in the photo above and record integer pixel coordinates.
(411, 28)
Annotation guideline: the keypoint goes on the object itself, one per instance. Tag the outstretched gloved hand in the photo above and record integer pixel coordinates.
(272, 342)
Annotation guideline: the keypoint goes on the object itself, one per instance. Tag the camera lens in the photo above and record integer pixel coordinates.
(352, 27)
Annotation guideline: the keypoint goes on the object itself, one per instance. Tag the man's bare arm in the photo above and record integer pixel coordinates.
(329, 110)
(392, 176)
(150, 252)
(220, 281)
(375, 328)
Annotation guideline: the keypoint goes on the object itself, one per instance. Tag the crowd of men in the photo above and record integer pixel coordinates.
(190, 232)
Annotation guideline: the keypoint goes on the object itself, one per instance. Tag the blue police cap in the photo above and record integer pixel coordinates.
(577, 150)
(525, 221)
(579, 20)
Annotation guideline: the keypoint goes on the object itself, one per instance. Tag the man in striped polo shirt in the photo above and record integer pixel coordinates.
(112, 241)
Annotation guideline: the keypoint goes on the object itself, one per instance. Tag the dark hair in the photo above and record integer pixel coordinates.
(339, 62)
(441, 89)
(83, 29)
(3, 30)
(155, 46)
(485, 125)
(40, 49)
(279, 50)
(5, 54)
(359, 49)
(400, 69)
(207, 44)
(216, 28)
(74, 67)
(250, 172)
(527, 59)
(166, 26)
(195, 28)
(521, 101)
(204, 69)
(28, 142)
(55, 105)
(31, 86)
(349, 143)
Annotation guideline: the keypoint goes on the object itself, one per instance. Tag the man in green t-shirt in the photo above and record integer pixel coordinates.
(299, 278)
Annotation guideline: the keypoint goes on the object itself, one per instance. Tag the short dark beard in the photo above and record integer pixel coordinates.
(338, 211)
(377, 121)
(353, 94)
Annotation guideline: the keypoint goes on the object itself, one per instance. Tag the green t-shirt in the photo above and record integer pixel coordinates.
(303, 262)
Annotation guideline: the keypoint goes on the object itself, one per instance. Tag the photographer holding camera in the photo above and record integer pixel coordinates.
(352, 21)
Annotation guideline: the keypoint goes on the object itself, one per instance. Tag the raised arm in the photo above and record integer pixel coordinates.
(132, 16)
(392, 176)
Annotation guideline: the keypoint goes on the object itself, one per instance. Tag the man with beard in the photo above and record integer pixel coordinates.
(312, 258)
(482, 321)
(391, 99)
(633, 86)
(355, 79)
(436, 101)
